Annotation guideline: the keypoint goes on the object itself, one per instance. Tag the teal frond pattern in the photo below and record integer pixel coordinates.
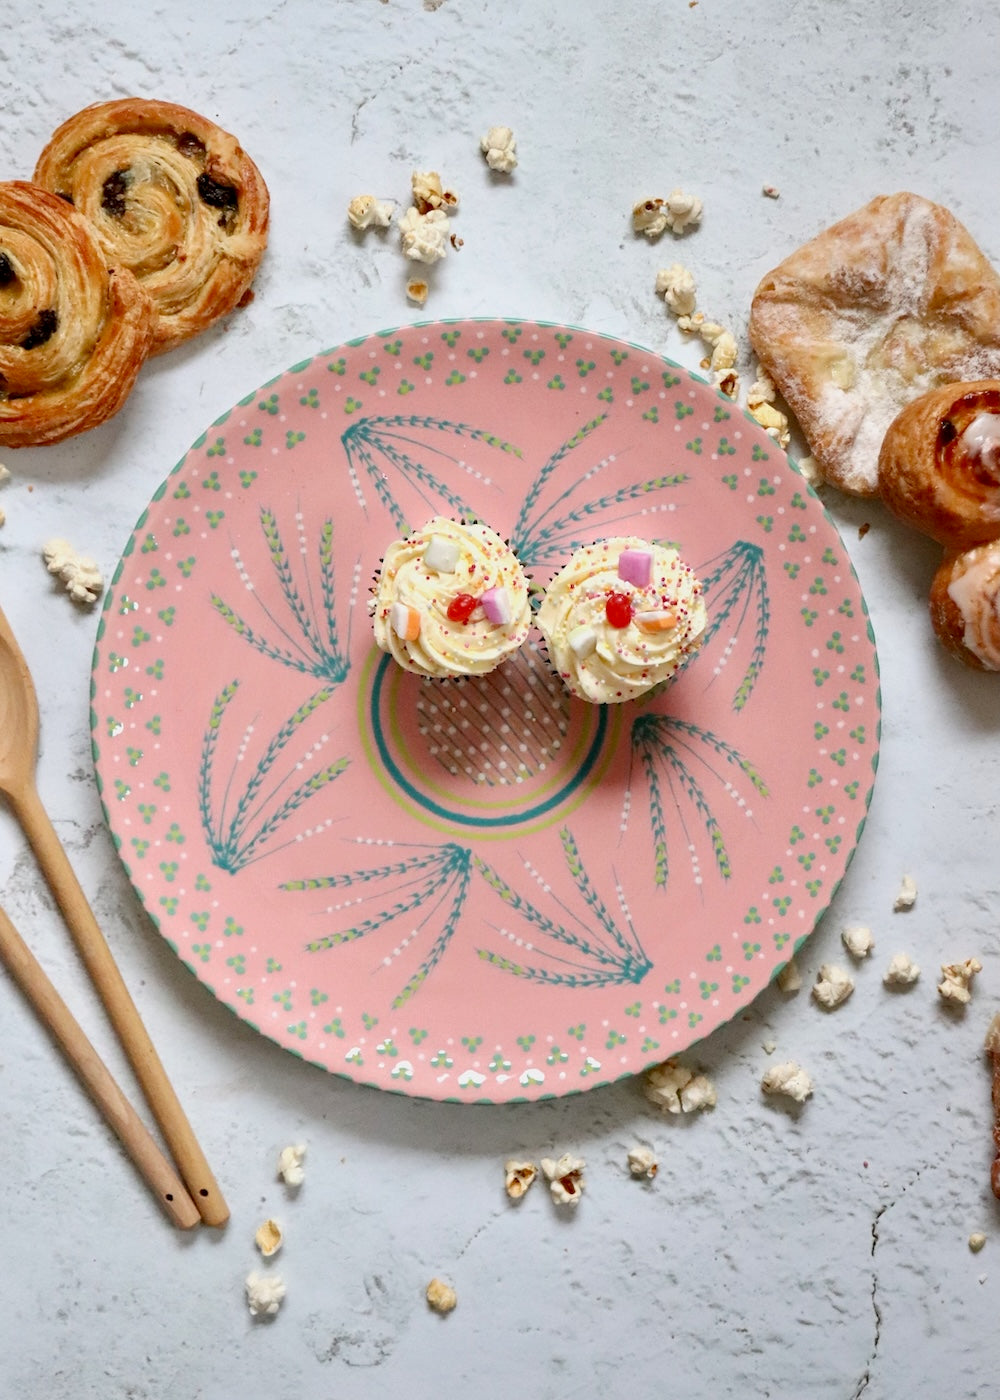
(306, 621)
(373, 444)
(677, 758)
(547, 533)
(588, 949)
(239, 825)
(591, 950)
(430, 886)
(735, 591)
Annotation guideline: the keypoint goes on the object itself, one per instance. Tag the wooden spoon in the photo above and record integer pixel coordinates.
(133, 1134)
(18, 761)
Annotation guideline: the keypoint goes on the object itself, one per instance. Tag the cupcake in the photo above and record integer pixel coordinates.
(620, 618)
(450, 599)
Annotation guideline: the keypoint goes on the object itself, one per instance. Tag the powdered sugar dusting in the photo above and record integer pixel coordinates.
(873, 313)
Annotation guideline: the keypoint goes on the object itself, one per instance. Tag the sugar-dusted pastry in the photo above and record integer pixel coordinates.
(965, 605)
(450, 599)
(890, 302)
(73, 335)
(620, 617)
(173, 198)
(939, 466)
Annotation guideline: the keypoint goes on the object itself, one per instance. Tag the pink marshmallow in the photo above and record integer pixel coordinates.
(495, 603)
(636, 566)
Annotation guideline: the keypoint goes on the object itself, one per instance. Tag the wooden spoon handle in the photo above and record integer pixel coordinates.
(122, 1012)
(29, 975)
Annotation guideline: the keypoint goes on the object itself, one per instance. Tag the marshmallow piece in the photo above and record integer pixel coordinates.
(495, 603)
(582, 641)
(656, 620)
(404, 621)
(636, 566)
(441, 554)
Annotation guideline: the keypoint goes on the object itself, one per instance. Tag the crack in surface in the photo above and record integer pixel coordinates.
(866, 1375)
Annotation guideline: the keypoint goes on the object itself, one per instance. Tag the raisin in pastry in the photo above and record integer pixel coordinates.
(173, 198)
(73, 334)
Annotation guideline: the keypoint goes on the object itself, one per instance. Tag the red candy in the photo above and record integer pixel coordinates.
(618, 609)
(461, 607)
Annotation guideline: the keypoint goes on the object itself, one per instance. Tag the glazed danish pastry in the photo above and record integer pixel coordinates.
(883, 306)
(939, 465)
(73, 335)
(173, 198)
(939, 470)
(965, 605)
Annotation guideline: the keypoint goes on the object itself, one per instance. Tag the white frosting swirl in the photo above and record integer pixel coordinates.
(975, 591)
(444, 646)
(623, 662)
(981, 441)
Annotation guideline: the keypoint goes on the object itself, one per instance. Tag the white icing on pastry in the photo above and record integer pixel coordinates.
(981, 442)
(975, 591)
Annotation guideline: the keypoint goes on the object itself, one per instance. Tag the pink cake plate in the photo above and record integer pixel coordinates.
(480, 890)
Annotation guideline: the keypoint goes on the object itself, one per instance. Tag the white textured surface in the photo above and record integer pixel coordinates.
(815, 1251)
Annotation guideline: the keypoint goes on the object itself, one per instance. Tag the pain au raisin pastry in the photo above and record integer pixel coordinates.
(939, 464)
(73, 335)
(173, 198)
(885, 305)
(939, 470)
